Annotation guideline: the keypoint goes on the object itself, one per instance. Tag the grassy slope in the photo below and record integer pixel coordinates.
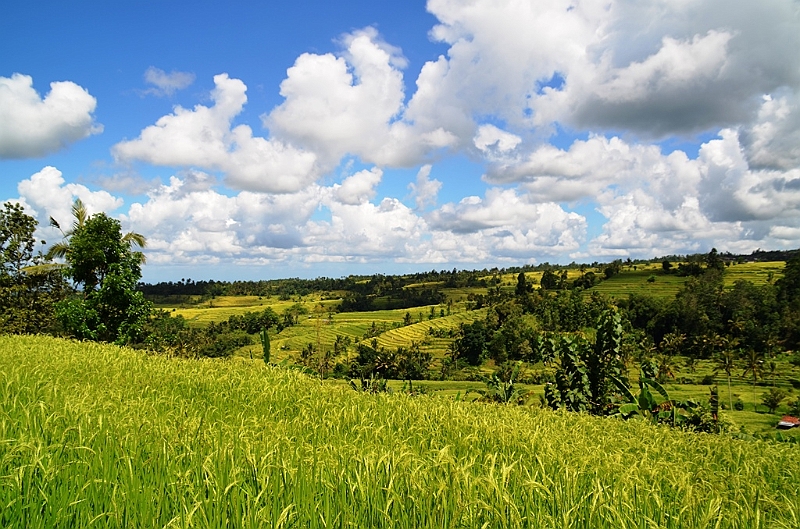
(100, 435)
(288, 343)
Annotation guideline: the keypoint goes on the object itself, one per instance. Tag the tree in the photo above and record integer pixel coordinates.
(471, 346)
(753, 364)
(586, 373)
(28, 288)
(105, 272)
(726, 361)
(413, 363)
(773, 398)
(265, 345)
(549, 280)
(522, 285)
(60, 250)
(713, 260)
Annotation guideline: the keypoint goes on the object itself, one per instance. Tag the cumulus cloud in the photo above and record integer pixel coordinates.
(511, 224)
(425, 190)
(694, 66)
(353, 104)
(203, 138)
(773, 140)
(358, 188)
(166, 84)
(46, 194)
(366, 231)
(589, 167)
(490, 138)
(32, 127)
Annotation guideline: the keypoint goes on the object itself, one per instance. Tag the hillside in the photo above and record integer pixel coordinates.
(94, 434)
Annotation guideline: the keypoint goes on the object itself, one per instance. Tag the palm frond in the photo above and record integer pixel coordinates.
(80, 213)
(134, 239)
(58, 251)
(43, 269)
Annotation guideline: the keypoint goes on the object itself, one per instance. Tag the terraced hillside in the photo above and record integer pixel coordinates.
(95, 435)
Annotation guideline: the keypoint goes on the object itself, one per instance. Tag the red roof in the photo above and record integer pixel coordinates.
(787, 421)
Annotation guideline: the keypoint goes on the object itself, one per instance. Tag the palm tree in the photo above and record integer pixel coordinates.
(80, 215)
(726, 361)
(754, 364)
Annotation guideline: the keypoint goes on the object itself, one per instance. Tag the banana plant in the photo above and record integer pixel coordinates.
(648, 406)
(503, 389)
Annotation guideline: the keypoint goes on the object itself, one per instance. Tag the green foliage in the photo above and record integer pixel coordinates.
(571, 390)
(29, 287)
(584, 377)
(109, 437)
(101, 264)
(265, 344)
(773, 399)
(794, 407)
(370, 385)
(471, 345)
(502, 386)
(374, 361)
(413, 363)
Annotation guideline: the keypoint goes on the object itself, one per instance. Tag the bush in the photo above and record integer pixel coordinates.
(738, 405)
(702, 420)
(773, 398)
(707, 380)
(794, 407)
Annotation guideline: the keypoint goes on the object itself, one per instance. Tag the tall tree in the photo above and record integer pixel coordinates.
(105, 271)
(726, 362)
(754, 364)
(28, 290)
(80, 214)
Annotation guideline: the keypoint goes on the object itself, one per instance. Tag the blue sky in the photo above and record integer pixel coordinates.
(263, 139)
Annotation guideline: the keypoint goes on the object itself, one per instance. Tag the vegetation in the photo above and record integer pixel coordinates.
(112, 437)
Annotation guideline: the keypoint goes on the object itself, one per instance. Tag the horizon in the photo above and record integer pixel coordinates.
(321, 140)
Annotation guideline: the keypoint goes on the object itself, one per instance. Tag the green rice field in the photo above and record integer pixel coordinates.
(98, 436)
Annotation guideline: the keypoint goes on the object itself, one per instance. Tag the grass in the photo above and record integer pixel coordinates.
(756, 273)
(104, 436)
(627, 282)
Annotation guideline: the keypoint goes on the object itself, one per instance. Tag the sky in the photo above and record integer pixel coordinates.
(259, 140)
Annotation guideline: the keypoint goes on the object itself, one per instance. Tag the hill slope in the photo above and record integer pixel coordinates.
(93, 434)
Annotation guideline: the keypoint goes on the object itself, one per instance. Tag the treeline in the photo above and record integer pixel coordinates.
(703, 320)
(376, 285)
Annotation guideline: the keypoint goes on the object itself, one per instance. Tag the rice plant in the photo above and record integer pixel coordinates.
(94, 435)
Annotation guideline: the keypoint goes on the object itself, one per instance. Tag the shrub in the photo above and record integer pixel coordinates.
(773, 398)
(707, 380)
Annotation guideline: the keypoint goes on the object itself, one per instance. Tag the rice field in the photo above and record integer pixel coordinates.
(94, 435)
(756, 273)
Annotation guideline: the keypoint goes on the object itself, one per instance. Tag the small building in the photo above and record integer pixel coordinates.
(787, 421)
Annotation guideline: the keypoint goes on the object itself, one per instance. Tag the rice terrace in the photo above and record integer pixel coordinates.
(624, 394)
(411, 264)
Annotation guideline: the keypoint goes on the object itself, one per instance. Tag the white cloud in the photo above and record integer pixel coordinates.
(656, 68)
(491, 138)
(425, 190)
(32, 127)
(509, 224)
(352, 104)
(46, 194)
(358, 188)
(166, 84)
(203, 138)
(367, 231)
(773, 140)
(590, 166)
